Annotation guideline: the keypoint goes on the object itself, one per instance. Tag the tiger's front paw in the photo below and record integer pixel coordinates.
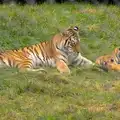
(65, 71)
(62, 67)
(89, 64)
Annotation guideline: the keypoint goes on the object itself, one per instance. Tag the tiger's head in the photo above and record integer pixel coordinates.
(107, 62)
(68, 41)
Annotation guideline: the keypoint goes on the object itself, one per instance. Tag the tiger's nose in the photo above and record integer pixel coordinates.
(104, 63)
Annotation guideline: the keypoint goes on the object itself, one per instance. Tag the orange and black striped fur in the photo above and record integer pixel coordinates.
(110, 62)
(63, 50)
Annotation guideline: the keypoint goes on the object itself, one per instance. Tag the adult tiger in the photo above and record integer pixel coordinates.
(110, 62)
(61, 51)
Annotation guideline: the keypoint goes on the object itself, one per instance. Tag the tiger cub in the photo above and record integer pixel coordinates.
(60, 52)
(110, 62)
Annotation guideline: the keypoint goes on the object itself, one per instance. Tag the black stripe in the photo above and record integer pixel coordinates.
(63, 60)
(65, 42)
(9, 62)
(36, 50)
(41, 53)
(38, 53)
(118, 58)
(81, 62)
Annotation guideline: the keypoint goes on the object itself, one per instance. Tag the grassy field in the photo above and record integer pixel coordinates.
(86, 94)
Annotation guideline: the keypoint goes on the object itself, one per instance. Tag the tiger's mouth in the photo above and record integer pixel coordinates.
(103, 66)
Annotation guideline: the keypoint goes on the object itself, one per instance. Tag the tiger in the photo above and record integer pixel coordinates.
(60, 52)
(110, 62)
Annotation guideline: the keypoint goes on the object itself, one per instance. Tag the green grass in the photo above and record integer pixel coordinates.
(86, 94)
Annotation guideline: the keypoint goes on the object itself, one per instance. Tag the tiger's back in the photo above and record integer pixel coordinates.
(29, 57)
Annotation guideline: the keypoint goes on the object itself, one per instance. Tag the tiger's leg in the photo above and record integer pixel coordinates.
(62, 67)
(82, 61)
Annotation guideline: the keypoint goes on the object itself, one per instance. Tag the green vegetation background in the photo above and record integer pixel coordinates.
(86, 94)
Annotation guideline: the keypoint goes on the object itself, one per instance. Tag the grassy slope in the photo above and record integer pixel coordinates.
(87, 94)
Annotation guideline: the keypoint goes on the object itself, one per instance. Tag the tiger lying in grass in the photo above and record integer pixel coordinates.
(63, 50)
(110, 62)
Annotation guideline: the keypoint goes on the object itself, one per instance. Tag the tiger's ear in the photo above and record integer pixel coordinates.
(76, 28)
(70, 30)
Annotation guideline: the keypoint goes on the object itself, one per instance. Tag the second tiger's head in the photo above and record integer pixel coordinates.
(107, 62)
(114, 58)
(68, 40)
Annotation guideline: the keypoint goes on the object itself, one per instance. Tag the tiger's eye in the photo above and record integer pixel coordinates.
(112, 60)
